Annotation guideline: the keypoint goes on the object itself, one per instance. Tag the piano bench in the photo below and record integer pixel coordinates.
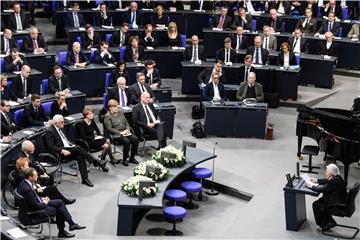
(311, 151)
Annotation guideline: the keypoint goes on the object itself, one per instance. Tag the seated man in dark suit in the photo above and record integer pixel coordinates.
(103, 54)
(223, 21)
(133, 17)
(17, 20)
(250, 89)
(145, 117)
(214, 91)
(51, 206)
(140, 87)
(90, 39)
(103, 18)
(134, 52)
(14, 61)
(202, 5)
(275, 22)
(22, 84)
(75, 19)
(260, 55)
(195, 52)
(297, 43)
(121, 93)
(238, 40)
(329, 26)
(34, 113)
(76, 57)
(58, 81)
(148, 37)
(333, 7)
(226, 54)
(7, 124)
(246, 69)
(328, 47)
(333, 188)
(152, 75)
(268, 39)
(242, 20)
(308, 24)
(120, 38)
(34, 43)
(57, 141)
(355, 30)
(7, 42)
(205, 76)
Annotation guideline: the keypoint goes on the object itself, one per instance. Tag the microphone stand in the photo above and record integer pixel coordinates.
(213, 192)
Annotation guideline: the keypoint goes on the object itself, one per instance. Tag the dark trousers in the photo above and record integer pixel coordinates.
(79, 154)
(157, 131)
(127, 142)
(322, 217)
(52, 192)
(57, 207)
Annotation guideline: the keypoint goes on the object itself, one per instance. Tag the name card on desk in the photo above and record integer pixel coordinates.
(126, 108)
(110, 65)
(16, 233)
(28, 132)
(107, 27)
(150, 48)
(217, 29)
(8, 10)
(12, 103)
(16, 72)
(69, 118)
(354, 39)
(81, 29)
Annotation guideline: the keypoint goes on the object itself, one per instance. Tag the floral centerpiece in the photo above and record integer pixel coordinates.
(178, 161)
(131, 187)
(140, 169)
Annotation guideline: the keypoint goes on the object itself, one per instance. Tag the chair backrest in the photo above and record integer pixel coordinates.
(23, 209)
(2, 64)
(183, 40)
(345, 14)
(105, 97)
(122, 53)
(107, 80)
(12, 179)
(18, 116)
(92, 56)
(108, 37)
(98, 2)
(20, 42)
(253, 24)
(78, 39)
(297, 57)
(340, 31)
(44, 86)
(40, 144)
(94, 21)
(47, 107)
(350, 199)
(210, 21)
(62, 57)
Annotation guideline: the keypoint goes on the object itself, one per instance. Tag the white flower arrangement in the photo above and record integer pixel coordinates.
(140, 169)
(179, 161)
(131, 187)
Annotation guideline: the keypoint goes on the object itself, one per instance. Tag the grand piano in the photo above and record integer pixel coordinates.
(335, 131)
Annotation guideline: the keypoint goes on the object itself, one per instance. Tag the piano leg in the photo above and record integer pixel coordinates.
(299, 148)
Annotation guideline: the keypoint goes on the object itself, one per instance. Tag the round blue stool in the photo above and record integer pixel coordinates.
(174, 214)
(201, 173)
(175, 195)
(191, 187)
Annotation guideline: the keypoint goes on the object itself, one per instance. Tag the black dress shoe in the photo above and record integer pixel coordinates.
(115, 162)
(87, 182)
(76, 227)
(104, 168)
(69, 201)
(98, 163)
(65, 234)
(125, 163)
(133, 160)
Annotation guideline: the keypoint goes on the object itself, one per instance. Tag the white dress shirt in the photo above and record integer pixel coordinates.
(216, 91)
(65, 141)
(18, 21)
(260, 57)
(151, 114)
(328, 45)
(286, 60)
(297, 48)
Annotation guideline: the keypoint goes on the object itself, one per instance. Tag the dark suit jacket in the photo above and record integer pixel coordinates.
(332, 51)
(32, 118)
(115, 4)
(264, 54)
(292, 59)
(139, 117)
(201, 54)
(209, 91)
(113, 93)
(88, 42)
(28, 44)
(303, 44)
(207, 5)
(101, 21)
(69, 21)
(115, 75)
(53, 84)
(244, 42)
(226, 23)
(278, 24)
(286, 5)
(55, 109)
(338, 11)
(70, 58)
(220, 55)
(242, 73)
(333, 190)
(178, 5)
(324, 28)
(30, 196)
(115, 39)
(156, 76)
(241, 94)
(12, 21)
(147, 42)
(310, 27)
(12, 44)
(238, 22)
(164, 20)
(9, 66)
(17, 86)
(127, 18)
(6, 129)
(205, 75)
(53, 140)
(136, 92)
(105, 59)
(129, 53)
(8, 94)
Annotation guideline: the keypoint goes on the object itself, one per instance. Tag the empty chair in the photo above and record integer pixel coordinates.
(122, 53)
(253, 25)
(311, 151)
(62, 57)
(108, 37)
(44, 86)
(174, 214)
(18, 116)
(78, 39)
(183, 40)
(340, 31)
(19, 42)
(107, 80)
(191, 187)
(201, 173)
(47, 107)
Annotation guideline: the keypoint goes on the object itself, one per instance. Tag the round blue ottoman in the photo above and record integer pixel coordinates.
(201, 173)
(175, 195)
(191, 187)
(174, 214)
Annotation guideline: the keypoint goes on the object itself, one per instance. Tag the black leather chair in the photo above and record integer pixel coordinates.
(345, 210)
(8, 192)
(143, 138)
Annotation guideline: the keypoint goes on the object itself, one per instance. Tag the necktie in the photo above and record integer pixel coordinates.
(242, 23)
(239, 42)
(132, 18)
(295, 42)
(329, 27)
(221, 22)
(273, 24)
(35, 45)
(6, 45)
(151, 79)
(266, 43)
(24, 87)
(59, 81)
(246, 73)
(257, 56)
(7, 119)
(201, 4)
(76, 58)
(62, 135)
(121, 39)
(18, 22)
(195, 54)
(227, 56)
(148, 114)
(76, 20)
(122, 98)
(142, 88)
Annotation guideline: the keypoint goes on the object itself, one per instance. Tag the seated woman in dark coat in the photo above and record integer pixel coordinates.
(173, 37)
(120, 71)
(286, 58)
(59, 105)
(159, 20)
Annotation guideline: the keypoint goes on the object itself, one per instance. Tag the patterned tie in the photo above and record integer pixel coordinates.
(35, 45)
(122, 98)
(221, 22)
(76, 58)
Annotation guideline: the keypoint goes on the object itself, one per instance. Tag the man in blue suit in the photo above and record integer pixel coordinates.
(75, 19)
(51, 206)
(133, 17)
(214, 90)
